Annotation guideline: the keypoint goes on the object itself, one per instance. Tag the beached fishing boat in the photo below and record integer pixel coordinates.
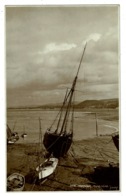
(15, 182)
(115, 138)
(47, 168)
(12, 137)
(12, 141)
(58, 138)
(24, 135)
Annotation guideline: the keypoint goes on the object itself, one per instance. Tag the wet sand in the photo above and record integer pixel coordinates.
(91, 164)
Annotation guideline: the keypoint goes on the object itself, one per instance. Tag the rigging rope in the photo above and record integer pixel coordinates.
(61, 109)
(33, 184)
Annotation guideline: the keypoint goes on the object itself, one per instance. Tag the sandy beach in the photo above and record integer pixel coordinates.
(91, 164)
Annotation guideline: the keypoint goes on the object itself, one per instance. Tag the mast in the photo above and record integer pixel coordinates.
(40, 134)
(72, 91)
(65, 99)
(9, 133)
(14, 125)
(40, 142)
(96, 124)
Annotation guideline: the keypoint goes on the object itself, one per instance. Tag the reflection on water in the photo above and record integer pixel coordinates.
(28, 120)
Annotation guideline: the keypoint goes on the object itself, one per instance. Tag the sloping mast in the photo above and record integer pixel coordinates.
(9, 133)
(72, 91)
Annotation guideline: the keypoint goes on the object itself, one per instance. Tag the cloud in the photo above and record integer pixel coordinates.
(58, 66)
(95, 37)
(109, 41)
(47, 56)
(54, 47)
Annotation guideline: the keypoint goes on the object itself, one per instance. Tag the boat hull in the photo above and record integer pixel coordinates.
(12, 139)
(15, 182)
(47, 168)
(24, 135)
(116, 141)
(57, 144)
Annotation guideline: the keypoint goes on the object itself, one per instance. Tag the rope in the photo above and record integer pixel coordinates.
(73, 155)
(14, 125)
(76, 162)
(65, 100)
(33, 184)
(60, 111)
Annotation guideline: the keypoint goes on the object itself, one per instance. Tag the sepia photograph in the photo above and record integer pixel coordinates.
(62, 97)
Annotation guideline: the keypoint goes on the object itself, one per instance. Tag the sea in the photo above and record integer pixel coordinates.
(85, 125)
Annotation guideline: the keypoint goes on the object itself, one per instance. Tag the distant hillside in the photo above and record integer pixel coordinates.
(104, 103)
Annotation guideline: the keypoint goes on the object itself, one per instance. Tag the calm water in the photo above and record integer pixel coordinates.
(28, 121)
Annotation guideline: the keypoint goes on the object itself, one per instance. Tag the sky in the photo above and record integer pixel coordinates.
(43, 50)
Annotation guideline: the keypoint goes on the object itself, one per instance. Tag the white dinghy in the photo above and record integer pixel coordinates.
(47, 168)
